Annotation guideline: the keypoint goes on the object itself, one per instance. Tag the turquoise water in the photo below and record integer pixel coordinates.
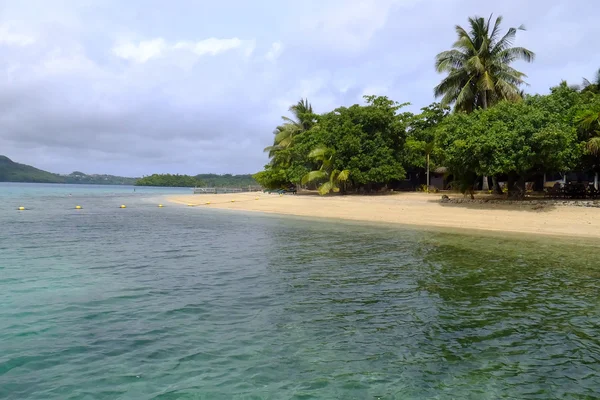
(191, 303)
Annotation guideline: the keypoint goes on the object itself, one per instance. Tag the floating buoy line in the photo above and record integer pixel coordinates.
(207, 203)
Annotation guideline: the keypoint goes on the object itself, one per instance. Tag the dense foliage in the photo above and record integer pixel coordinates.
(168, 180)
(227, 180)
(495, 131)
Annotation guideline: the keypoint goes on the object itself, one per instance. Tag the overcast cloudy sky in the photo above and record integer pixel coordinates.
(196, 86)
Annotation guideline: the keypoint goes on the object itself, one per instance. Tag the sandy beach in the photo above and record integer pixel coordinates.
(418, 209)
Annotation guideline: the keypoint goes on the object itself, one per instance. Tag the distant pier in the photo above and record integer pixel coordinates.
(224, 190)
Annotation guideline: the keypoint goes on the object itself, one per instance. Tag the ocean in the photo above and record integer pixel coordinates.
(192, 303)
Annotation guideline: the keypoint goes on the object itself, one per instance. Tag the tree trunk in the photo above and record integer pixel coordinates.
(516, 186)
(596, 181)
(485, 185)
(496, 185)
(428, 172)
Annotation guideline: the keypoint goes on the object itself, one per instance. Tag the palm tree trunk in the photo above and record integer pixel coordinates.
(485, 186)
(596, 181)
(428, 172)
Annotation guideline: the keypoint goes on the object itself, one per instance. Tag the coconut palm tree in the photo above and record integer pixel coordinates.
(589, 123)
(304, 117)
(478, 67)
(302, 120)
(332, 178)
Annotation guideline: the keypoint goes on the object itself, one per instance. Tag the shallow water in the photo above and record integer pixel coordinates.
(190, 303)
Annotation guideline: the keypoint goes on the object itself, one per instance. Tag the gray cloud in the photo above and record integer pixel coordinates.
(144, 87)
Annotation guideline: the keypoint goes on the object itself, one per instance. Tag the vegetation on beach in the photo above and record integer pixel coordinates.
(210, 180)
(494, 130)
(168, 180)
(227, 180)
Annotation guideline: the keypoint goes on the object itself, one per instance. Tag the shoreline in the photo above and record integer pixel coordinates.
(413, 209)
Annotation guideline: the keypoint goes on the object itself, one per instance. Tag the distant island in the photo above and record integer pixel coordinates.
(168, 180)
(208, 180)
(11, 171)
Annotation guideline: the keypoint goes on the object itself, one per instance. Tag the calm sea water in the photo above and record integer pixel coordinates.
(191, 303)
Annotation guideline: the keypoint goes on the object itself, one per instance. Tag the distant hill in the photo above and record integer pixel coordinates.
(11, 171)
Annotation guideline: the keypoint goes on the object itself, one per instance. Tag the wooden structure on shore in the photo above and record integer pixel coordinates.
(224, 190)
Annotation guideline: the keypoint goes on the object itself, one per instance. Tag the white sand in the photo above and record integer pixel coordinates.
(414, 209)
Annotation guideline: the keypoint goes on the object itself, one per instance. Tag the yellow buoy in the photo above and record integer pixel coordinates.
(190, 205)
(208, 202)
(280, 194)
(233, 201)
(256, 198)
(21, 208)
(122, 206)
(160, 205)
(78, 207)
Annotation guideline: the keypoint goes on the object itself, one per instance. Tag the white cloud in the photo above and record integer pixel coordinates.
(146, 50)
(10, 38)
(142, 51)
(211, 46)
(274, 52)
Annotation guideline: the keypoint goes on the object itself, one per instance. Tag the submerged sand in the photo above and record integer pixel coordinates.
(419, 209)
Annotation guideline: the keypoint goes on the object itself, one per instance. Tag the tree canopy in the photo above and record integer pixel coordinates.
(168, 180)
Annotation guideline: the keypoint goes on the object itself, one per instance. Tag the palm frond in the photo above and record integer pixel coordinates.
(466, 95)
(516, 53)
(326, 188)
(343, 175)
(496, 30)
(485, 82)
(318, 152)
(593, 146)
(314, 176)
(475, 64)
(450, 60)
(588, 120)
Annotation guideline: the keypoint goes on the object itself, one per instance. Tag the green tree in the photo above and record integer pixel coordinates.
(168, 180)
(478, 68)
(420, 143)
(517, 140)
(368, 141)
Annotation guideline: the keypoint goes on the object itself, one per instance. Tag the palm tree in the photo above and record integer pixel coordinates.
(589, 123)
(593, 85)
(332, 177)
(303, 119)
(478, 66)
(303, 115)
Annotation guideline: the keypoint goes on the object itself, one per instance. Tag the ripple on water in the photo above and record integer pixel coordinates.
(203, 304)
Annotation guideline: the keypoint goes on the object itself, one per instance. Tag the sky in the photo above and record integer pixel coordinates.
(197, 86)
